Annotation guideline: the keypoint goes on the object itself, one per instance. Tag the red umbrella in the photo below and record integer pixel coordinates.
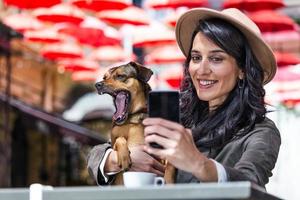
(162, 4)
(286, 79)
(253, 5)
(109, 54)
(285, 85)
(164, 55)
(131, 15)
(92, 32)
(271, 21)
(45, 36)
(98, 5)
(31, 3)
(74, 65)
(288, 41)
(60, 13)
(148, 36)
(111, 37)
(61, 51)
(285, 59)
(22, 22)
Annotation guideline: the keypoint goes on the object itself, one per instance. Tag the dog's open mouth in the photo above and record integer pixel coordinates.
(121, 101)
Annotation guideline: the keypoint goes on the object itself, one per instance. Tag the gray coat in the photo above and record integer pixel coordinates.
(248, 158)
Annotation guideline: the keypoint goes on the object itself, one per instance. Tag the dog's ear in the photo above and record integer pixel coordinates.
(143, 73)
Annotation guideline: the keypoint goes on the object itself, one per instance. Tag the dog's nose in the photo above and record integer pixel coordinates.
(99, 85)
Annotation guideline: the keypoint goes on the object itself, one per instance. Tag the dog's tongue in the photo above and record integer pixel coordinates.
(120, 102)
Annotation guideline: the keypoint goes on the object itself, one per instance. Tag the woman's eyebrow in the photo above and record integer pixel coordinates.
(212, 51)
(217, 51)
(194, 51)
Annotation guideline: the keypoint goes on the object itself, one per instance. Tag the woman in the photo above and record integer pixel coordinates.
(224, 134)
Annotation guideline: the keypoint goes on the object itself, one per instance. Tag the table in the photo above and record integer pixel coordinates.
(228, 190)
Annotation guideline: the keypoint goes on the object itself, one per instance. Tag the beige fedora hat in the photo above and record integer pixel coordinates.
(187, 23)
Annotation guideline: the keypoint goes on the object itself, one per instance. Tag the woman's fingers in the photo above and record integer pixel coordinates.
(173, 132)
(162, 141)
(163, 123)
(142, 161)
(154, 151)
(158, 168)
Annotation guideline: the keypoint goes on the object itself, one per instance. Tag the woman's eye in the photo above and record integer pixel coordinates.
(195, 58)
(216, 59)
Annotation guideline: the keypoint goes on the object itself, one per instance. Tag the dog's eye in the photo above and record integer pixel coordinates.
(121, 77)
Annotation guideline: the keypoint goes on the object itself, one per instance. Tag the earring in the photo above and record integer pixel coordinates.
(241, 83)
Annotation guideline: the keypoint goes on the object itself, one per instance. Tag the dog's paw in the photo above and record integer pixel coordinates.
(124, 161)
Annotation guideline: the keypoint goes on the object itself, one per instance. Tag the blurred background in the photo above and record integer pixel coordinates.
(53, 51)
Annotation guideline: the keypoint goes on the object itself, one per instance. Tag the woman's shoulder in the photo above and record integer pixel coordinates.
(266, 125)
(264, 130)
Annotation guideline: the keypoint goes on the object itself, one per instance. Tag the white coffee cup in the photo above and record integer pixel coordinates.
(139, 179)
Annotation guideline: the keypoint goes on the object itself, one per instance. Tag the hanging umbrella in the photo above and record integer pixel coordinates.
(60, 13)
(28, 4)
(271, 21)
(89, 31)
(164, 55)
(111, 37)
(75, 65)
(92, 32)
(48, 35)
(61, 51)
(288, 41)
(253, 5)
(149, 36)
(162, 4)
(285, 59)
(108, 54)
(98, 5)
(22, 22)
(285, 85)
(286, 79)
(131, 15)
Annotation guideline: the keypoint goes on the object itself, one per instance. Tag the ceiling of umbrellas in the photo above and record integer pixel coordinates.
(85, 36)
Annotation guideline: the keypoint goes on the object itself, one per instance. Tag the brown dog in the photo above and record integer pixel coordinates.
(127, 84)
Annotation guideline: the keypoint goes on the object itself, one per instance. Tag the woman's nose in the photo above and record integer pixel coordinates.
(204, 67)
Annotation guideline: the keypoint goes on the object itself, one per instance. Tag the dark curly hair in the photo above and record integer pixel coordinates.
(244, 105)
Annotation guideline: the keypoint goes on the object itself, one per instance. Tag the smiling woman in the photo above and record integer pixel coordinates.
(224, 134)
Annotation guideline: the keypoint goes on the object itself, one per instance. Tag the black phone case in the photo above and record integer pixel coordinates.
(163, 104)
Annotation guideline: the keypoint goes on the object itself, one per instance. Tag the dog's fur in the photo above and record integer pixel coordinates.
(127, 84)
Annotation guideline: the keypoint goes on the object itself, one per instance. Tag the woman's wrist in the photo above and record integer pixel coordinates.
(111, 164)
(205, 170)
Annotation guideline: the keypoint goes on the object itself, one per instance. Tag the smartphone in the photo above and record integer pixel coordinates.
(164, 104)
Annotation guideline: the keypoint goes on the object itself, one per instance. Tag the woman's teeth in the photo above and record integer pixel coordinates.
(207, 82)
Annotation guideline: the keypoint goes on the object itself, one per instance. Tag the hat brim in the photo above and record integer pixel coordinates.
(188, 22)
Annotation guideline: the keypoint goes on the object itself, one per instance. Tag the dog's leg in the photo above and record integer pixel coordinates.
(169, 173)
(123, 153)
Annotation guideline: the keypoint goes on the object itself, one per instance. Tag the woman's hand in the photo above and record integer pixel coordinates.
(141, 161)
(178, 147)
